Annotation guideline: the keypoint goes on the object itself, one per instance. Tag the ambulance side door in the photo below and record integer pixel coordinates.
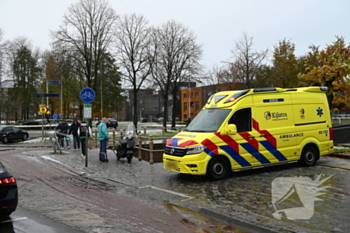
(274, 122)
(244, 142)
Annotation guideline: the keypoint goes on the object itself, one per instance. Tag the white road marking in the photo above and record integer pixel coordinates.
(168, 191)
(15, 220)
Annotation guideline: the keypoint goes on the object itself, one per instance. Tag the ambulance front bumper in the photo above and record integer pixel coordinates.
(195, 164)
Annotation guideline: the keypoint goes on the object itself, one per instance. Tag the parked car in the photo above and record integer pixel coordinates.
(11, 133)
(8, 192)
(112, 123)
(143, 120)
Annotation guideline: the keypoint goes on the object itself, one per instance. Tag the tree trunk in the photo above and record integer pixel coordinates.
(173, 118)
(165, 116)
(135, 108)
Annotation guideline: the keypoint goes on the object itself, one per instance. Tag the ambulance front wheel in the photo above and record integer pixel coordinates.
(309, 156)
(218, 168)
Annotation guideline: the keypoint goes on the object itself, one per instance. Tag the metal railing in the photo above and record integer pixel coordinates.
(340, 118)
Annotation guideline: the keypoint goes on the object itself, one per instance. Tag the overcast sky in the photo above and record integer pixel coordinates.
(216, 24)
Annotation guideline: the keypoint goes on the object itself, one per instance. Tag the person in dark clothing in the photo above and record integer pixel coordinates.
(74, 130)
(63, 128)
(84, 133)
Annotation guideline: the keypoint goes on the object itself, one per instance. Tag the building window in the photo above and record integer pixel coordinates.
(185, 116)
(197, 94)
(185, 107)
(191, 104)
(197, 106)
(185, 96)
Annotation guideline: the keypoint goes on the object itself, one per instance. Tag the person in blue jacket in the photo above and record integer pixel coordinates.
(103, 138)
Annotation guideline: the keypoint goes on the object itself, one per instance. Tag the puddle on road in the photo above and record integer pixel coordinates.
(199, 223)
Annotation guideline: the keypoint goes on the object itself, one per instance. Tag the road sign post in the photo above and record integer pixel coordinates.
(47, 95)
(54, 82)
(87, 95)
(87, 111)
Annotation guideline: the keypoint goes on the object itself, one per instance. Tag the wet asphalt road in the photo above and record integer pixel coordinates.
(24, 221)
(244, 196)
(69, 196)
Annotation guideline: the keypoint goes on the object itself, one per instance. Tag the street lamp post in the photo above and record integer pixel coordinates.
(189, 100)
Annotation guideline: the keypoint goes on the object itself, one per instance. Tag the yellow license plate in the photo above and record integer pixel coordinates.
(171, 165)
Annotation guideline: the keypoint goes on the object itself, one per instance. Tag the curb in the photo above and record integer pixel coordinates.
(340, 155)
(241, 224)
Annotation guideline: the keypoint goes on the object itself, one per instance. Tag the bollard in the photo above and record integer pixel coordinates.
(95, 138)
(151, 150)
(113, 144)
(121, 134)
(140, 146)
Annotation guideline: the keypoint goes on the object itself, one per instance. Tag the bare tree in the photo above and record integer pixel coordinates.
(87, 33)
(247, 62)
(219, 79)
(176, 61)
(133, 44)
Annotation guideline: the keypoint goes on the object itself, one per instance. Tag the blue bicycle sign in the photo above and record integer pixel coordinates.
(87, 95)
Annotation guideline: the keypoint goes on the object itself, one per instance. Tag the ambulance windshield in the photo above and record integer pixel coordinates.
(208, 120)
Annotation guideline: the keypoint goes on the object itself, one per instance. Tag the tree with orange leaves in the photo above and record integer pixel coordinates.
(330, 67)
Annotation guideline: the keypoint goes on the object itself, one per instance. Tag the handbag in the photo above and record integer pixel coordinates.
(90, 145)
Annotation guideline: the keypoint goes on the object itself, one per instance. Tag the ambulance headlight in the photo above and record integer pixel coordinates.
(195, 149)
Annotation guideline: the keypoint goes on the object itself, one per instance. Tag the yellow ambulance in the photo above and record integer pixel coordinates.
(255, 128)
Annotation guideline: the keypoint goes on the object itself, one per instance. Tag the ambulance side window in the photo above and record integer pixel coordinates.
(242, 119)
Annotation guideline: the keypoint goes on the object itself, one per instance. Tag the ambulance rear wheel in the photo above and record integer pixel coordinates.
(217, 169)
(309, 156)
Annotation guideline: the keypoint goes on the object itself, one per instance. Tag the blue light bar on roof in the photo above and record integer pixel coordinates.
(219, 97)
(210, 98)
(264, 89)
(236, 96)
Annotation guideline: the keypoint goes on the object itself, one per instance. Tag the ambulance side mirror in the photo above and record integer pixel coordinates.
(231, 129)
